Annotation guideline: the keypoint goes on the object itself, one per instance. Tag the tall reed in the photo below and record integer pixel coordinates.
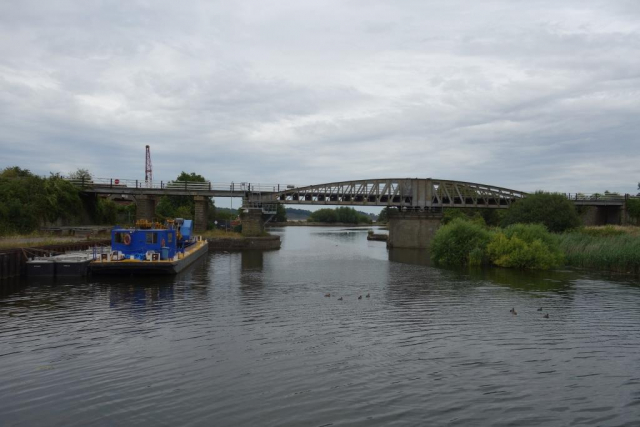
(612, 251)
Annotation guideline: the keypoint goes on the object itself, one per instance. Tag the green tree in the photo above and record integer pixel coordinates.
(633, 208)
(551, 209)
(342, 214)
(28, 201)
(281, 213)
(183, 206)
(459, 243)
(489, 217)
(82, 174)
(383, 217)
(323, 215)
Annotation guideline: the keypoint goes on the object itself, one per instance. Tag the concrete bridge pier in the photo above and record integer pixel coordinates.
(252, 222)
(412, 229)
(604, 215)
(200, 218)
(145, 207)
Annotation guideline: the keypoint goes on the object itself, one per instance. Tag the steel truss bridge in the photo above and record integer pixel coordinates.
(406, 193)
(403, 193)
(414, 193)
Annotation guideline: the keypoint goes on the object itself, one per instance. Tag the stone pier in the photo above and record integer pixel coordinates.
(145, 207)
(200, 218)
(252, 222)
(412, 229)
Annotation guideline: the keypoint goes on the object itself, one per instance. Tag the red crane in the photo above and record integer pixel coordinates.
(148, 170)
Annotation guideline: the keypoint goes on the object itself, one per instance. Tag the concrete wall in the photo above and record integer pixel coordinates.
(603, 215)
(201, 211)
(252, 223)
(145, 207)
(412, 229)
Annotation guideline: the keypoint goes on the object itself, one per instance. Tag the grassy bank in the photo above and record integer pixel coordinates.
(530, 246)
(603, 248)
(35, 239)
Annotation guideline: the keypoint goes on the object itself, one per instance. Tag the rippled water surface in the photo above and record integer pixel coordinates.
(250, 339)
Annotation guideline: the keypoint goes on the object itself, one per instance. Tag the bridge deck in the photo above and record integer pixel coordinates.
(399, 192)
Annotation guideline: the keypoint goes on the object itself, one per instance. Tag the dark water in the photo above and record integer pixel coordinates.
(248, 339)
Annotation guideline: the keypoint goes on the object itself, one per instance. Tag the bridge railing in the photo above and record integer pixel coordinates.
(597, 196)
(117, 183)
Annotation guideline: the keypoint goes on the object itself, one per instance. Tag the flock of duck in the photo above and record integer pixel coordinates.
(512, 311)
(328, 295)
(515, 313)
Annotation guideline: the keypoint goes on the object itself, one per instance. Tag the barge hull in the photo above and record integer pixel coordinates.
(149, 267)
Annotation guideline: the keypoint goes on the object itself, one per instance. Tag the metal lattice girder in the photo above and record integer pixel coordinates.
(402, 192)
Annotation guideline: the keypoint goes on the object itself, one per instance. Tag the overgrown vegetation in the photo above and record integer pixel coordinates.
(633, 208)
(342, 214)
(525, 246)
(553, 210)
(460, 242)
(610, 249)
(490, 217)
(464, 241)
(28, 201)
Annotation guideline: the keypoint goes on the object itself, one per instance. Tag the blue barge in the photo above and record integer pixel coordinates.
(151, 248)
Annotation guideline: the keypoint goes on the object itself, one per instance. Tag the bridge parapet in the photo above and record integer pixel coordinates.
(599, 199)
(207, 188)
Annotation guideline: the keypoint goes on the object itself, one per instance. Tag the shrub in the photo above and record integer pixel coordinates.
(633, 208)
(479, 216)
(28, 200)
(106, 211)
(460, 243)
(525, 246)
(555, 211)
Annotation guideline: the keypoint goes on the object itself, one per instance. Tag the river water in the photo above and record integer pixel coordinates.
(246, 339)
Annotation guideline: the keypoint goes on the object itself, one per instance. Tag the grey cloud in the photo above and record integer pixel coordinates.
(528, 95)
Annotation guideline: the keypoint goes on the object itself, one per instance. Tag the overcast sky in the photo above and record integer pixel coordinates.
(521, 94)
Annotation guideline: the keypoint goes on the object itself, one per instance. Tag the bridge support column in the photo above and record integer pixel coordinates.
(145, 207)
(412, 229)
(252, 222)
(202, 209)
(603, 215)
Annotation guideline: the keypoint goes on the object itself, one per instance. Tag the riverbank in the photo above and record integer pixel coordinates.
(608, 248)
(318, 224)
(532, 247)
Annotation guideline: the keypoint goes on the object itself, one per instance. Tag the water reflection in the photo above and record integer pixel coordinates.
(143, 293)
(252, 260)
(251, 277)
(429, 344)
(410, 256)
(528, 280)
